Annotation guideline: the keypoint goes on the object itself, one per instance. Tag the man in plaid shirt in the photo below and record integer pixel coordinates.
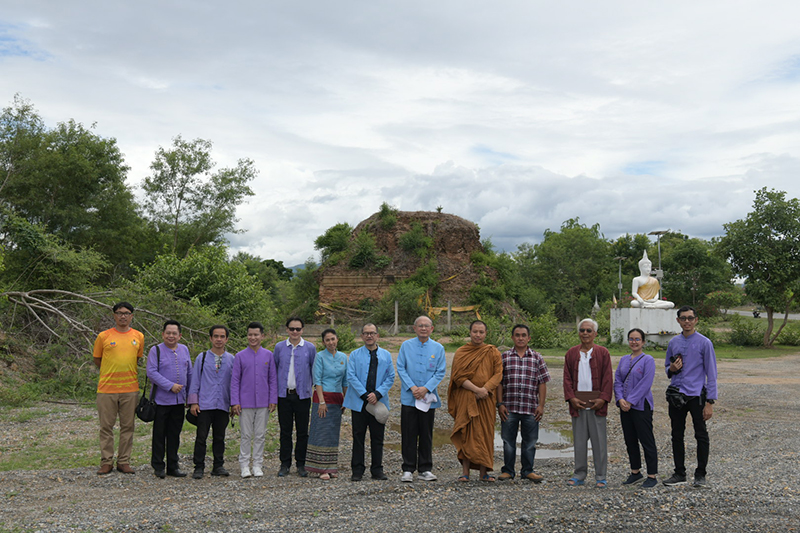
(520, 401)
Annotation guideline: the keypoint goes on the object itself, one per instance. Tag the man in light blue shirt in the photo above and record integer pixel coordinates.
(421, 366)
(210, 401)
(370, 375)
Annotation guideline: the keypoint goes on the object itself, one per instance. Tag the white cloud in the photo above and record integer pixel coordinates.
(515, 114)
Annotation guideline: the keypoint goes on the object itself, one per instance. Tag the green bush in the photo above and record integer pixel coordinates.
(790, 334)
(408, 295)
(365, 252)
(19, 394)
(416, 240)
(545, 333)
(745, 332)
(334, 242)
(387, 214)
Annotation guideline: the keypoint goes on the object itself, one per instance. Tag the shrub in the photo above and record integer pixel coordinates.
(387, 214)
(408, 295)
(416, 240)
(746, 332)
(365, 252)
(790, 334)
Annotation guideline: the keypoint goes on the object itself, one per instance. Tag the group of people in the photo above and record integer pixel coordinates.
(311, 391)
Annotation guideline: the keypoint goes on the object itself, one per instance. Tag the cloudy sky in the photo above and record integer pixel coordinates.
(517, 115)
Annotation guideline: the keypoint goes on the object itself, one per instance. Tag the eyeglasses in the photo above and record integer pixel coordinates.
(687, 318)
(295, 329)
(634, 340)
(123, 314)
(586, 330)
(369, 333)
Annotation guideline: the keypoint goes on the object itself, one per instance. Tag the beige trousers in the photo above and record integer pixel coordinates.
(109, 406)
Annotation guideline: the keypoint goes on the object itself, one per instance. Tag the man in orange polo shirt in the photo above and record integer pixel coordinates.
(116, 354)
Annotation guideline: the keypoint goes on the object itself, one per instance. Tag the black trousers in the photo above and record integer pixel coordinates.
(217, 420)
(167, 428)
(293, 411)
(678, 419)
(416, 429)
(637, 426)
(361, 421)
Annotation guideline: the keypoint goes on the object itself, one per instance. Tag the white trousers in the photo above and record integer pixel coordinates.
(253, 424)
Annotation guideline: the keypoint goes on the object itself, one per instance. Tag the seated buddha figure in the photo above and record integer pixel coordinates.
(645, 288)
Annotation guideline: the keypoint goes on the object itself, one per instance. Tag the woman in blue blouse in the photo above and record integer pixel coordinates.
(632, 387)
(330, 384)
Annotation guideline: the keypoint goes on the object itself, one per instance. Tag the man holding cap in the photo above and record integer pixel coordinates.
(421, 366)
(370, 374)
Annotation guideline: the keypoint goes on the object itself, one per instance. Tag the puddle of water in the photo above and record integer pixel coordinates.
(558, 436)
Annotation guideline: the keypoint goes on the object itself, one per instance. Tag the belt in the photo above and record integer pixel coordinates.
(291, 391)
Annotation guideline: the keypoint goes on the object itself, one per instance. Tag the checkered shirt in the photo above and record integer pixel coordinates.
(521, 379)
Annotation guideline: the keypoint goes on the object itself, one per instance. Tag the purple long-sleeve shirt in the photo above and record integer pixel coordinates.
(254, 383)
(699, 365)
(211, 387)
(166, 370)
(636, 389)
(304, 355)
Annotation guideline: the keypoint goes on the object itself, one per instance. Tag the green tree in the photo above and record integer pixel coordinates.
(302, 298)
(270, 272)
(189, 201)
(69, 181)
(36, 259)
(333, 244)
(764, 248)
(207, 276)
(570, 266)
(693, 269)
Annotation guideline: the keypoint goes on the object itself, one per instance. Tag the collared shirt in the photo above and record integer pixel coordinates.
(211, 385)
(420, 365)
(635, 386)
(119, 354)
(330, 371)
(521, 379)
(170, 368)
(585, 371)
(254, 382)
(291, 379)
(304, 355)
(699, 365)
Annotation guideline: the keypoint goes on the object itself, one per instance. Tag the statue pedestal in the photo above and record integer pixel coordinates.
(659, 325)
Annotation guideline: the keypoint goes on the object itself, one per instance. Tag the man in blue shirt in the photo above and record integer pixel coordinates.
(169, 367)
(421, 366)
(692, 367)
(370, 375)
(210, 401)
(294, 359)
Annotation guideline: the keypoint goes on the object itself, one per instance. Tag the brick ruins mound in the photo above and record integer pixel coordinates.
(454, 241)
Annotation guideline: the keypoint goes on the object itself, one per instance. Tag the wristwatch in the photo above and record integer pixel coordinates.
(710, 401)
(500, 403)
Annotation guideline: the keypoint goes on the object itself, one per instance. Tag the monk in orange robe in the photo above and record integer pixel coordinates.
(476, 373)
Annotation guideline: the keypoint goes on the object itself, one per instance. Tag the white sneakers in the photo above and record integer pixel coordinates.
(427, 476)
(246, 472)
(408, 477)
(257, 472)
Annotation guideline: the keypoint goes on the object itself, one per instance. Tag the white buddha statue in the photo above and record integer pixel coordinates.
(645, 288)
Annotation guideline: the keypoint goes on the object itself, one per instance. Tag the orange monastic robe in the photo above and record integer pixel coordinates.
(473, 429)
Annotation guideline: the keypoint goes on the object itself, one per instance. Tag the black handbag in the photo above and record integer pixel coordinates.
(676, 398)
(191, 418)
(146, 410)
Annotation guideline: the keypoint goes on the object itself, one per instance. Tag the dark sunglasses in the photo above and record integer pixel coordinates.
(295, 329)
(586, 330)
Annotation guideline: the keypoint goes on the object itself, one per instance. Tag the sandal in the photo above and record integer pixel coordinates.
(489, 478)
(601, 484)
(326, 477)
(463, 479)
(575, 482)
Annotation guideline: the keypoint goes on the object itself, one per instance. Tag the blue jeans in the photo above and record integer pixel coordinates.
(529, 428)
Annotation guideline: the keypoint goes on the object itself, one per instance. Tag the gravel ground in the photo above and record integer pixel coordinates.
(753, 482)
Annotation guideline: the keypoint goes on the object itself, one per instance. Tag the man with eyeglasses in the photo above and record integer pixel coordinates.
(370, 375)
(116, 353)
(691, 365)
(294, 359)
(588, 385)
(421, 366)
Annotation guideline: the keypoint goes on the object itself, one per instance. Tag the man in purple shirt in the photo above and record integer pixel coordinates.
(169, 367)
(254, 394)
(210, 401)
(692, 367)
(294, 359)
